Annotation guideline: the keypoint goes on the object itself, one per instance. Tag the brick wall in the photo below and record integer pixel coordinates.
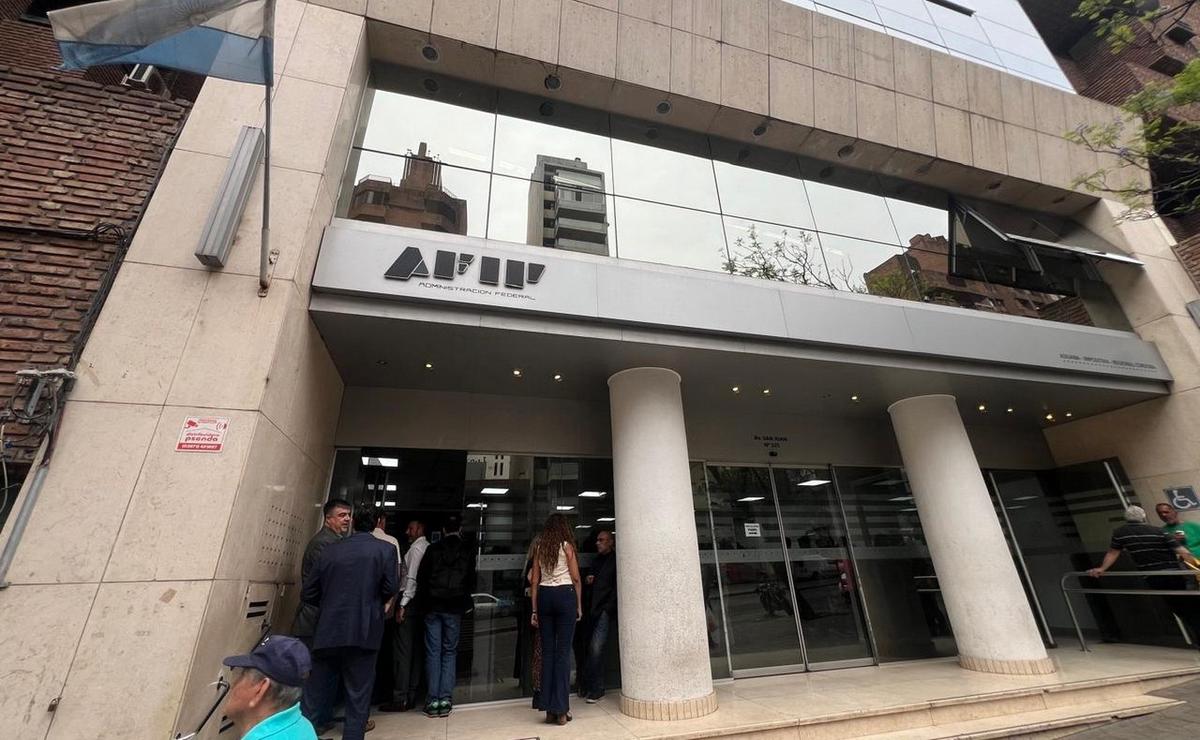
(75, 153)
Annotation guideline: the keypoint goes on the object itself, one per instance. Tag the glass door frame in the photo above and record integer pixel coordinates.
(805, 666)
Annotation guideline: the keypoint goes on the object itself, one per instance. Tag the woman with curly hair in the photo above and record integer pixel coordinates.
(557, 596)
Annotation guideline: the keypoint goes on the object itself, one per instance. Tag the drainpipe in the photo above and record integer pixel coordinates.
(28, 501)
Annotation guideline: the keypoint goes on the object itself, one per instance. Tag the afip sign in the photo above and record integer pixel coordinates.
(1183, 498)
(202, 434)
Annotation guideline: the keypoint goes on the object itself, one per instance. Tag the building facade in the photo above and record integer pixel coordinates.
(810, 370)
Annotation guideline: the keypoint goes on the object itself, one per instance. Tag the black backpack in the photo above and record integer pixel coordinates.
(449, 570)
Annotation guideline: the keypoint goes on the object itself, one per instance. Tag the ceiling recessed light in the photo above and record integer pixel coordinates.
(1068, 414)
(736, 389)
(1008, 410)
(517, 372)
(381, 363)
(552, 82)
(606, 519)
(663, 108)
(494, 491)
(813, 482)
(825, 172)
(1049, 417)
(430, 84)
(430, 53)
(593, 494)
(994, 185)
(766, 391)
(854, 399)
(760, 129)
(557, 378)
(564, 508)
(381, 462)
(983, 407)
(429, 366)
(748, 499)
(845, 151)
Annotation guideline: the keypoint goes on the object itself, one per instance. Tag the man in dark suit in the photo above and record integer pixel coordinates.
(336, 527)
(351, 583)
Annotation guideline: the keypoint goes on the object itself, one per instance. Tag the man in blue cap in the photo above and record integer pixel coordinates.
(264, 698)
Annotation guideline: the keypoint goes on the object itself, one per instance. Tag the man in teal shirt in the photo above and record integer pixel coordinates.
(1185, 533)
(264, 698)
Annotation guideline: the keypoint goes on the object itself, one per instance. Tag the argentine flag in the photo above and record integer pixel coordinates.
(230, 39)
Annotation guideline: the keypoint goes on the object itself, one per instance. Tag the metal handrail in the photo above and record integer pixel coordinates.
(1119, 591)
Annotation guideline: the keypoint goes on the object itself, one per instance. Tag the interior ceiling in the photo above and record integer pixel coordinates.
(391, 352)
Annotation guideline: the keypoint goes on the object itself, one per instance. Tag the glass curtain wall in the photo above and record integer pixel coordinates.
(449, 156)
(996, 33)
(1062, 521)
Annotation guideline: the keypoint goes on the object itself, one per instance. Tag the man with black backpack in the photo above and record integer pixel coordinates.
(444, 583)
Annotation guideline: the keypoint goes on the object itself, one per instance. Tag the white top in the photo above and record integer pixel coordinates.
(412, 564)
(381, 535)
(561, 575)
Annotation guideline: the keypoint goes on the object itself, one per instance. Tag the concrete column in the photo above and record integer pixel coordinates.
(992, 621)
(665, 670)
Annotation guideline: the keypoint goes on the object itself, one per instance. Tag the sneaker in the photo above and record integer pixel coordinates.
(592, 699)
(445, 708)
(431, 709)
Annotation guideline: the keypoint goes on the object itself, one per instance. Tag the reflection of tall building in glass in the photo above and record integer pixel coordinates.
(925, 261)
(567, 209)
(419, 201)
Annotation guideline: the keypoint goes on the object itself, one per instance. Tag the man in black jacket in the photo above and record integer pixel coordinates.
(350, 584)
(603, 614)
(444, 583)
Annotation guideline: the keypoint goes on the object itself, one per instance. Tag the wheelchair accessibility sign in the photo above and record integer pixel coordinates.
(1183, 498)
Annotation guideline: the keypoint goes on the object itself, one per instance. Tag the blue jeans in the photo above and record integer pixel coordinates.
(592, 684)
(441, 653)
(556, 627)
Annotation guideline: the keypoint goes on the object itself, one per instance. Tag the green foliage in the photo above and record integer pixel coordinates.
(1155, 136)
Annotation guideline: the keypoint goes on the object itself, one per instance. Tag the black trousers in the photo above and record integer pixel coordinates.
(1187, 608)
(356, 668)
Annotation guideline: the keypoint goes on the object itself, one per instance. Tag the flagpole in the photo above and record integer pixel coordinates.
(264, 257)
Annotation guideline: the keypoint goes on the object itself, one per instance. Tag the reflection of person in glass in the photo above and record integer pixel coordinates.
(529, 643)
(602, 579)
(557, 594)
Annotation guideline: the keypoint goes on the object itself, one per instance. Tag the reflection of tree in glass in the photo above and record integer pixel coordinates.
(797, 259)
(789, 259)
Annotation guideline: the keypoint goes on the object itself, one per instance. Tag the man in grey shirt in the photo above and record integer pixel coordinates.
(337, 525)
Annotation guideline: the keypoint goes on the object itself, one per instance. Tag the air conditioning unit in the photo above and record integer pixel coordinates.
(144, 77)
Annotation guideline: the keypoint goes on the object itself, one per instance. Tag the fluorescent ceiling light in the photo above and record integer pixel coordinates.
(813, 482)
(494, 491)
(370, 486)
(912, 508)
(901, 498)
(1014, 508)
(379, 503)
(583, 526)
(391, 487)
(476, 506)
(593, 494)
(564, 508)
(606, 519)
(751, 498)
(381, 462)
(389, 503)
(1025, 498)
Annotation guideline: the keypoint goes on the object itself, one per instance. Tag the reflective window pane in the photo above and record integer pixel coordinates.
(863, 9)
(662, 165)
(850, 212)
(959, 23)
(1015, 42)
(868, 267)
(912, 8)
(416, 192)
(908, 616)
(971, 47)
(913, 27)
(453, 134)
(528, 212)
(913, 220)
(529, 130)
(755, 194)
(772, 252)
(672, 236)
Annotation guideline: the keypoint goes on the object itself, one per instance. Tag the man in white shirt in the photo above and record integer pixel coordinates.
(409, 642)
